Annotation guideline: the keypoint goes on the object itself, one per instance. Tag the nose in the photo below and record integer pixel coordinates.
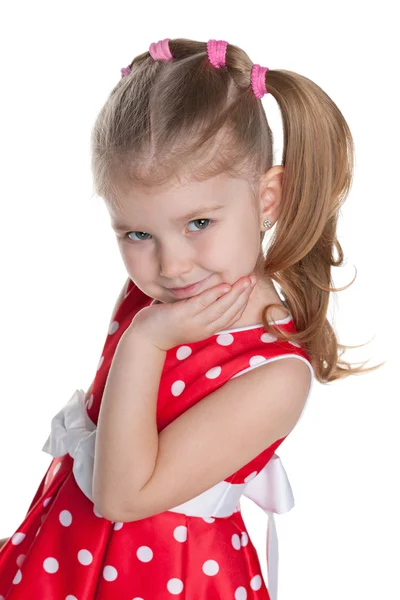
(175, 263)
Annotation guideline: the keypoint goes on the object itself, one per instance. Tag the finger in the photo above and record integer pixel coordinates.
(224, 290)
(226, 307)
(209, 296)
(230, 307)
(213, 306)
(232, 321)
(241, 290)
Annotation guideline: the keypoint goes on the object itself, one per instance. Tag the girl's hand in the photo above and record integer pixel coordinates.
(193, 319)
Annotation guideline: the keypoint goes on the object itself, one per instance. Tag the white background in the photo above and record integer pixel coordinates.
(61, 270)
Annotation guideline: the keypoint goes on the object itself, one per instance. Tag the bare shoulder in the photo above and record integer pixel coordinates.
(282, 386)
(292, 371)
(293, 366)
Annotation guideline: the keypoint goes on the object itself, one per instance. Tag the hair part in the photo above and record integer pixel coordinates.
(171, 122)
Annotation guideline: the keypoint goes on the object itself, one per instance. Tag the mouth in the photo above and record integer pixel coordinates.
(190, 289)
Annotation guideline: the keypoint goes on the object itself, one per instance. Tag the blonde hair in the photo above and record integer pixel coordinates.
(167, 122)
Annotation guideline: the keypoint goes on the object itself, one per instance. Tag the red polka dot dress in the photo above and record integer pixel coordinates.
(64, 549)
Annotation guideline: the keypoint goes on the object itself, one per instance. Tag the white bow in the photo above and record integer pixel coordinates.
(73, 432)
(272, 492)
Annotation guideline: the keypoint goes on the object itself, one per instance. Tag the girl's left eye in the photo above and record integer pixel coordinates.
(194, 221)
(197, 220)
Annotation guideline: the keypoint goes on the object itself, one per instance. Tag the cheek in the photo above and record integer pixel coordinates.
(235, 245)
(135, 263)
(234, 254)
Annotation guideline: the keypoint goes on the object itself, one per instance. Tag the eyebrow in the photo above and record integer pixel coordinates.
(193, 213)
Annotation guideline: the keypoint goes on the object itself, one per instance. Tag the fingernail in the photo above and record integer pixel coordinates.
(246, 284)
(253, 281)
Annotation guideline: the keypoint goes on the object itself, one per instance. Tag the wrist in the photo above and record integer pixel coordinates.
(135, 335)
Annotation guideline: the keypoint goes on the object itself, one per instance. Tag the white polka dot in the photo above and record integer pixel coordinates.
(236, 541)
(144, 553)
(245, 539)
(267, 337)
(255, 582)
(17, 538)
(210, 567)
(45, 503)
(20, 559)
(137, 598)
(209, 519)
(57, 468)
(100, 363)
(250, 477)
(175, 586)
(69, 597)
(118, 525)
(90, 402)
(65, 518)
(2, 598)
(177, 387)
(180, 533)
(213, 373)
(225, 339)
(113, 327)
(256, 360)
(183, 352)
(240, 593)
(96, 512)
(110, 573)
(85, 557)
(18, 577)
(50, 565)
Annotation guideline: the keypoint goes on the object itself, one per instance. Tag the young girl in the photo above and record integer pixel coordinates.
(201, 378)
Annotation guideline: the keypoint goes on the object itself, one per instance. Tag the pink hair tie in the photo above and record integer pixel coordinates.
(125, 71)
(258, 80)
(216, 51)
(158, 51)
(161, 50)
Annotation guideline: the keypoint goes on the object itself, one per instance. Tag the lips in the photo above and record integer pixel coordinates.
(189, 290)
(186, 286)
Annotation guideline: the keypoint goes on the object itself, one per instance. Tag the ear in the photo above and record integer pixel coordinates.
(270, 192)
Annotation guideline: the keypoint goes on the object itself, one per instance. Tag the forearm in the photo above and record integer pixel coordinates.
(127, 437)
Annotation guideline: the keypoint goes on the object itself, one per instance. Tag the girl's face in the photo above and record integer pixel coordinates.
(163, 246)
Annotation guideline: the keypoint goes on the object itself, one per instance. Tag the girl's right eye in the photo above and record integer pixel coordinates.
(135, 232)
(144, 233)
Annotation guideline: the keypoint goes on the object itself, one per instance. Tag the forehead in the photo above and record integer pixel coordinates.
(128, 190)
(175, 202)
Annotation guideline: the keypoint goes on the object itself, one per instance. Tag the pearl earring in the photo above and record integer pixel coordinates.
(267, 223)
